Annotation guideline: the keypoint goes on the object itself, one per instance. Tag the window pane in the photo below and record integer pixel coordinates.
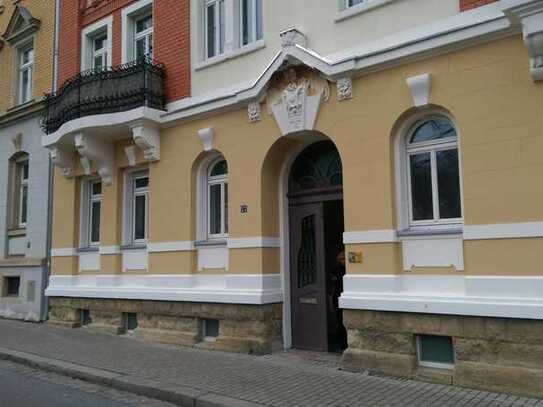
(245, 21)
(139, 215)
(448, 179)
(24, 203)
(141, 182)
(258, 12)
(421, 186)
(100, 43)
(150, 45)
(144, 24)
(140, 48)
(438, 349)
(221, 168)
(210, 31)
(96, 188)
(25, 81)
(225, 208)
(95, 222)
(351, 3)
(433, 130)
(25, 171)
(222, 27)
(215, 209)
(98, 62)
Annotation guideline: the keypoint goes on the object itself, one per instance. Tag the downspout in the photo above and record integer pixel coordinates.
(48, 246)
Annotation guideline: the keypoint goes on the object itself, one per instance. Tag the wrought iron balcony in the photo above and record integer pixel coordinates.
(113, 90)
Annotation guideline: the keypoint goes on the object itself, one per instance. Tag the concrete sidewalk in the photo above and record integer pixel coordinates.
(192, 377)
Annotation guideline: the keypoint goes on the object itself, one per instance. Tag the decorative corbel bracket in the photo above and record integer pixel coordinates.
(130, 152)
(529, 14)
(420, 87)
(64, 159)
(206, 137)
(99, 152)
(17, 142)
(147, 138)
(253, 111)
(344, 89)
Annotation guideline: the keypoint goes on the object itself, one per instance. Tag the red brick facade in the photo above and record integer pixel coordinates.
(469, 4)
(171, 38)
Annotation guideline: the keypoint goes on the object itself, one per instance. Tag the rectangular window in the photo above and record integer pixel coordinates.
(251, 21)
(99, 52)
(12, 285)
(22, 198)
(26, 67)
(140, 204)
(210, 329)
(351, 3)
(214, 27)
(95, 206)
(421, 186)
(143, 37)
(435, 351)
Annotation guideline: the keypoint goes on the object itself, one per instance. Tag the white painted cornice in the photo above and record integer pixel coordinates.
(529, 15)
(97, 151)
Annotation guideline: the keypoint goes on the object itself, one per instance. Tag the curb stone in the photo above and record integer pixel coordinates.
(179, 395)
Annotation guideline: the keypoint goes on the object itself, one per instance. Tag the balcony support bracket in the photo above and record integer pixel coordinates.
(98, 152)
(147, 138)
(63, 159)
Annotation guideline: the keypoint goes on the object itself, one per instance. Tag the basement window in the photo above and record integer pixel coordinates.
(85, 317)
(130, 320)
(12, 285)
(435, 351)
(210, 329)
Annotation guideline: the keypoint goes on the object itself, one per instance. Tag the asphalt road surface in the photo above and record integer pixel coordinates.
(22, 386)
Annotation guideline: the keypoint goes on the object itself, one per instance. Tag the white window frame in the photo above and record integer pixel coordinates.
(255, 21)
(22, 184)
(129, 213)
(86, 212)
(23, 67)
(404, 207)
(431, 147)
(435, 365)
(346, 11)
(145, 34)
(88, 34)
(129, 15)
(220, 42)
(221, 180)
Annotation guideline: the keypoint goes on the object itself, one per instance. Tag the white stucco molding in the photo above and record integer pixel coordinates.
(253, 242)
(488, 296)
(17, 142)
(217, 288)
(420, 86)
(130, 153)
(370, 236)
(529, 14)
(292, 36)
(146, 135)
(503, 231)
(253, 111)
(64, 252)
(63, 158)
(206, 137)
(174, 246)
(96, 151)
(344, 89)
(109, 250)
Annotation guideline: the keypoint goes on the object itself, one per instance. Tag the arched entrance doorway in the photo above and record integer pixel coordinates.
(317, 258)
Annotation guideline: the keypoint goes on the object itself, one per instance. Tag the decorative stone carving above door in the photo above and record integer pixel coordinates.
(294, 98)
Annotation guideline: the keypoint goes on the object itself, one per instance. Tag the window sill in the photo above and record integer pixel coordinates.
(207, 243)
(439, 232)
(21, 106)
(17, 232)
(247, 49)
(88, 249)
(360, 8)
(133, 246)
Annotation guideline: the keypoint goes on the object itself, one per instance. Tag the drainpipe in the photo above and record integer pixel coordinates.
(48, 246)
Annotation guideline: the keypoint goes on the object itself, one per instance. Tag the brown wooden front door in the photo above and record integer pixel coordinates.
(308, 277)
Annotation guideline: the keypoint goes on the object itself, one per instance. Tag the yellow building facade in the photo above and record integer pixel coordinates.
(289, 213)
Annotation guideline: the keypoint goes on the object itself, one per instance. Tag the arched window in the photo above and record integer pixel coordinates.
(217, 199)
(433, 174)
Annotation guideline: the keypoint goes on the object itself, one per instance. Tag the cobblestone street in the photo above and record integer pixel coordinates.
(281, 379)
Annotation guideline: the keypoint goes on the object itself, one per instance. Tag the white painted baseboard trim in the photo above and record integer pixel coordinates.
(253, 242)
(370, 236)
(64, 252)
(227, 288)
(175, 246)
(503, 231)
(490, 296)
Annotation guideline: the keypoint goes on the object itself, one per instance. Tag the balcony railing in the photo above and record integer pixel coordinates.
(116, 89)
